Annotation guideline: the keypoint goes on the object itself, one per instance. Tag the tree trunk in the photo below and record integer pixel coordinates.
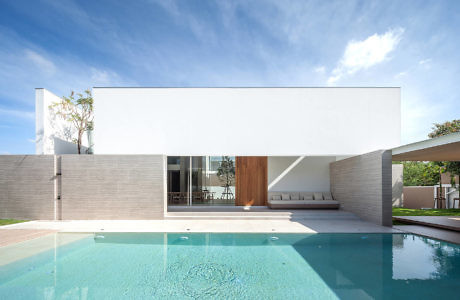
(440, 190)
(80, 134)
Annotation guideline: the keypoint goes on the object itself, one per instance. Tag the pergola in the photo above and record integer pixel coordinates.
(443, 148)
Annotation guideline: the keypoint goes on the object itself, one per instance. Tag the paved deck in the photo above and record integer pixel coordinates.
(13, 236)
(436, 233)
(443, 222)
(313, 221)
(28, 247)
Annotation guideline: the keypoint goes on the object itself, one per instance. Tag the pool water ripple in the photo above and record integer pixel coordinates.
(234, 266)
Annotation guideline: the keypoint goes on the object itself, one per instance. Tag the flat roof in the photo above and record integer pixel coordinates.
(443, 148)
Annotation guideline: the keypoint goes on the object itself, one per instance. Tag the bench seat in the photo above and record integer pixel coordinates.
(284, 204)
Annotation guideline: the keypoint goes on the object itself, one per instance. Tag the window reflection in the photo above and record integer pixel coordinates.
(201, 180)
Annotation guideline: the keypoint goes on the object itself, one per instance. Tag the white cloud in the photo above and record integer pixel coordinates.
(199, 28)
(104, 77)
(17, 113)
(401, 74)
(320, 70)
(424, 61)
(360, 55)
(41, 62)
(31, 140)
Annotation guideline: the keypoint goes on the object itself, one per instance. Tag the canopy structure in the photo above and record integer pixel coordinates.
(443, 148)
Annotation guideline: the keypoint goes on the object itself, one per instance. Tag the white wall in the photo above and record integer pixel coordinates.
(52, 134)
(246, 121)
(311, 174)
(397, 183)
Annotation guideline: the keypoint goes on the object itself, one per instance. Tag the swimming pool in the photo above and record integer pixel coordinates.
(230, 266)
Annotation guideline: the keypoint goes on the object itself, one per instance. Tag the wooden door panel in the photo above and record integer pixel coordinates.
(251, 180)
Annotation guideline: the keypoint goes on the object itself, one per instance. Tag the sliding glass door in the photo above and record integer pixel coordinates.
(201, 180)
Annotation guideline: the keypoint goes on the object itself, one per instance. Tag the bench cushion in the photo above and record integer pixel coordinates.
(306, 202)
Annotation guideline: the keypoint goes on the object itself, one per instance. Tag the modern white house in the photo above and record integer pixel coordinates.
(177, 145)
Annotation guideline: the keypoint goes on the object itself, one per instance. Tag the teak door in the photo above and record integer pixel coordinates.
(251, 180)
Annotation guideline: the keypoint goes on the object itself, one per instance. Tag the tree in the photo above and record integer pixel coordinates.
(442, 129)
(77, 109)
(418, 173)
(226, 174)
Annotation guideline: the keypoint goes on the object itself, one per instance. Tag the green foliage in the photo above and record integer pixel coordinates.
(226, 171)
(10, 221)
(77, 109)
(398, 211)
(444, 128)
(417, 173)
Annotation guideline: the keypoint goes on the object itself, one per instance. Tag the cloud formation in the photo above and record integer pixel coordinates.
(360, 55)
(40, 62)
(30, 115)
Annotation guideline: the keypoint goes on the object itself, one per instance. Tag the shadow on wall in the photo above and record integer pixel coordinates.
(65, 147)
(397, 185)
(397, 191)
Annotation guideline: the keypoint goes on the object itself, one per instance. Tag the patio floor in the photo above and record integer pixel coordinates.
(13, 236)
(436, 233)
(295, 221)
(443, 222)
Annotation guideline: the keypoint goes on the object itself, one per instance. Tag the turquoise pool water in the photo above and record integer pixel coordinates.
(231, 266)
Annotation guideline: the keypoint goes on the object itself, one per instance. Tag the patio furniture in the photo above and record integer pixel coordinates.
(458, 200)
(286, 200)
(438, 201)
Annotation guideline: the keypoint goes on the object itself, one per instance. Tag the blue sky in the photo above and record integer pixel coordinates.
(73, 45)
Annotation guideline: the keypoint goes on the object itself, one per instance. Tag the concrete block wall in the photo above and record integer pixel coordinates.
(27, 187)
(363, 185)
(112, 187)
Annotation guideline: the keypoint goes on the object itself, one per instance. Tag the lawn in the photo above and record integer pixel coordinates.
(10, 221)
(397, 211)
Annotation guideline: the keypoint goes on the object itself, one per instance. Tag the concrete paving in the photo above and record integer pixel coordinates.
(13, 236)
(294, 225)
(29, 247)
(443, 222)
(436, 233)
(257, 220)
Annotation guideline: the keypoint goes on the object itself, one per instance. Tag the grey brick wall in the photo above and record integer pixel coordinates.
(363, 185)
(27, 187)
(113, 187)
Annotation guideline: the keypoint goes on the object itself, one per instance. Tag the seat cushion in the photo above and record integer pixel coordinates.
(305, 202)
(308, 196)
(318, 196)
(328, 196)
(295, 196)
(276, 197)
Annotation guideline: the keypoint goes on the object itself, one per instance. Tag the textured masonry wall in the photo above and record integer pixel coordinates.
(363, 185)
(112, 187)
(27, 187)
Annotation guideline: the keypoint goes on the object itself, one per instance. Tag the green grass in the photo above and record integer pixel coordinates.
(10, 221)
(397, 211)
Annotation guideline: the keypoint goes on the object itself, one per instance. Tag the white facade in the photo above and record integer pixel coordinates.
(301, 130)
(246, 121)
(299, 174)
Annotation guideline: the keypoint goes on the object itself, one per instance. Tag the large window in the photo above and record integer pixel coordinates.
(201, 180)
